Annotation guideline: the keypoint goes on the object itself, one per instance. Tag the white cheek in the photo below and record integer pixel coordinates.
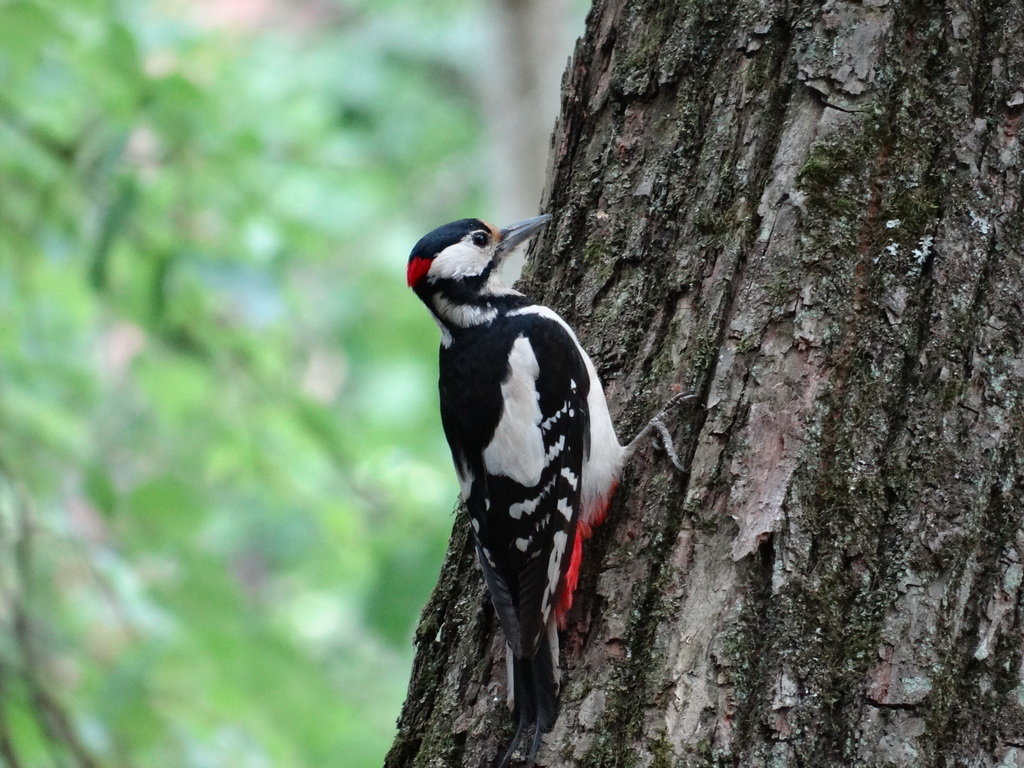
(459, 260)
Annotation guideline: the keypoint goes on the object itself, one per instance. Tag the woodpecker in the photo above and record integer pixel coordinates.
(533, 444)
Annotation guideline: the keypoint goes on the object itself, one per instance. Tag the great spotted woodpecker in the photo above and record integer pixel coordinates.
(532, 441)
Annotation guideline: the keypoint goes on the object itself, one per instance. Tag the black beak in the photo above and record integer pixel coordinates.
(514, 234)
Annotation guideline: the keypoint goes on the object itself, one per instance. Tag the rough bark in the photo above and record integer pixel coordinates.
(811, 215)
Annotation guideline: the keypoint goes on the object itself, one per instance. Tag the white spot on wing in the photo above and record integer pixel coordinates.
(554, 450)
(522, 544)
(555, 562)
(565, 508)
(570, 477)
(517, 448)
(550, 421)
(517, 510)
(602, 466)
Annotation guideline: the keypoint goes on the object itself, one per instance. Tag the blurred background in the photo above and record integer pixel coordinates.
(224, 490)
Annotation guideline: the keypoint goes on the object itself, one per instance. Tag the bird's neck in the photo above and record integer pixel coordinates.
(459, 304)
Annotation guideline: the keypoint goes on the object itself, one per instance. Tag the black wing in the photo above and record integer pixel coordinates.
(522, 468)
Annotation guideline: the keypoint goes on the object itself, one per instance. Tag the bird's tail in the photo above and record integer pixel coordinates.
(534, 684)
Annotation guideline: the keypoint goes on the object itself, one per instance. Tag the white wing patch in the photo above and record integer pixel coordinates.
(517, 448)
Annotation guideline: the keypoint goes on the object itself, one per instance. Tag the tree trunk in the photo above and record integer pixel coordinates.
(809, 214)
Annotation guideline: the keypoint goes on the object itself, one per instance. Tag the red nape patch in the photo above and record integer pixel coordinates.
(417, 270)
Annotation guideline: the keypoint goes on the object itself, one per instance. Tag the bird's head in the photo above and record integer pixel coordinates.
(465, 252)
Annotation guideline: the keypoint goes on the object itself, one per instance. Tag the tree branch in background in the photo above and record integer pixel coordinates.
(28, 667)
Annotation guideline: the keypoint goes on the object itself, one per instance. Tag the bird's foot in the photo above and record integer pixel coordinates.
(657, 424)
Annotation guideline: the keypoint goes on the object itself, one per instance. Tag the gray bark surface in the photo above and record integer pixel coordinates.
(810, 214)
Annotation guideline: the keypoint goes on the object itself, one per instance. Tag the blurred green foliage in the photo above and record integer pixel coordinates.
(224, 491)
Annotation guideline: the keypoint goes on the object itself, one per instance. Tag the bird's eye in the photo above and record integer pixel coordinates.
(480, 239)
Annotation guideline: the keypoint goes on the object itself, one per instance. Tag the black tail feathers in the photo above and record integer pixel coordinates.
(536, 700)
